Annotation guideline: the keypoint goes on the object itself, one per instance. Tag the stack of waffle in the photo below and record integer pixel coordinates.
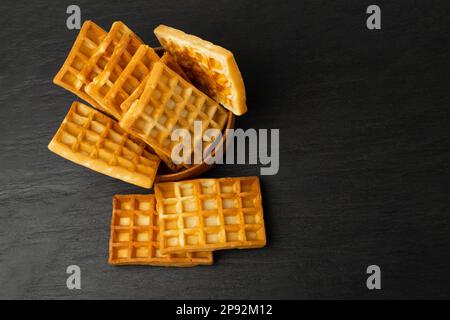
(139, 98)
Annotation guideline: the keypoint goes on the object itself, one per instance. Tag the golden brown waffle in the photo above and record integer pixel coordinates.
(170, 61)
(115, 84)
(169, 102)
(135, 236)
(85, 46)
(91, 139)
(111, 57)
(119, 40)
(210, 214)
(142, 63)
(211, 67)
(131, 82)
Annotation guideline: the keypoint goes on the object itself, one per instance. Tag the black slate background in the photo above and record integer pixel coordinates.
(364, 152)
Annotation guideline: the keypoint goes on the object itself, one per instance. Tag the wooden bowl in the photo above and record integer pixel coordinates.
(164, 173)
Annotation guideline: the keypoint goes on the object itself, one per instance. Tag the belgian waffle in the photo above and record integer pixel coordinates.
(136, 74)
(91, 139)
(111, 57)
(120, 39)
(85, 46)
(130, 85)
(210, 214)
(211, 67)
(135, 236)
(169, 102)
(115, 84)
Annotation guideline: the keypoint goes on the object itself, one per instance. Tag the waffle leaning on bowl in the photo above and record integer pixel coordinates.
(115, 73)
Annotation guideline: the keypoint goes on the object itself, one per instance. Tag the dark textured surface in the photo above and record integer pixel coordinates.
(364, 152)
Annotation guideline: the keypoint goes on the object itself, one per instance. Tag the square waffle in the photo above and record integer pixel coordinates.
(120, 39)
(137, 72)
(169, 102)
(85, 46)
(211, 67)
(91, 139)
(131, 82)
(210, 214)
(135, 236)
(115, 83)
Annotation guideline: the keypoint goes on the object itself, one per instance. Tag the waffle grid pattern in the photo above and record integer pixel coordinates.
(210, 214)
(85, 46)
(92, 139)
(211, 67)
(135, 235)
(207, 72)
(120, 41)
(168, 103)
(107, 71)
(131, 83)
